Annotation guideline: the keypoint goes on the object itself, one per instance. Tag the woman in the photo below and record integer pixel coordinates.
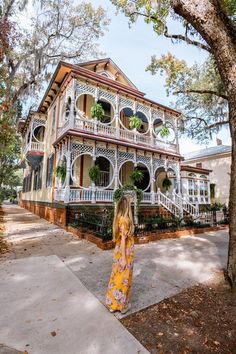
(117, 297)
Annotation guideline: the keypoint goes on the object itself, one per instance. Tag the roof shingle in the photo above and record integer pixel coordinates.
(215, 150)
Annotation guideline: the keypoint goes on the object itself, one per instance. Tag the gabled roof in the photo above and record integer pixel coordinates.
(215, 150)
(64, 71)
(108, 65)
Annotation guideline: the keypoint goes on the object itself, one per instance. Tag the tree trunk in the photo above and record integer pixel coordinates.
(231, 266)
(207, 17)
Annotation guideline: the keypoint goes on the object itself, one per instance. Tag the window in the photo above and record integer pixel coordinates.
(50, 163)
(199, 164)
(203, 188)
(27, 182)
(53, 118)
(192, 187)
(38, 177)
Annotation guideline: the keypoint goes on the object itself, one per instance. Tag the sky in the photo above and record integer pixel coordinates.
(131, 49)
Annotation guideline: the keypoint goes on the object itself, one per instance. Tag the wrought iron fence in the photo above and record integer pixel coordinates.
(99, 221)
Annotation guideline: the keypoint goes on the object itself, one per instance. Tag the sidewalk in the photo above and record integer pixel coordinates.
(46, 309)
(161, 270)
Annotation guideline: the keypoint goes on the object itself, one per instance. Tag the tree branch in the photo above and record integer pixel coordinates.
(217, 124)
(202, 92)
(180, 37)
(206, 125)
(187, 40)
(8, 8)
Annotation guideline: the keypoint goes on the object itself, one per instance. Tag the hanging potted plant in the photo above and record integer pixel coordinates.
(135, 122)
(95, 174)
(136, 176)
(164, 132)
(61, 171)
(166, 183)
(97, 111)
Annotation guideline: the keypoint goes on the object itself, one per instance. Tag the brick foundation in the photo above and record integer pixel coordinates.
(54, 213)
(58, 214)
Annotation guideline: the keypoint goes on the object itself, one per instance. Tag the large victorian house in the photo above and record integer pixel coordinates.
(63, 133)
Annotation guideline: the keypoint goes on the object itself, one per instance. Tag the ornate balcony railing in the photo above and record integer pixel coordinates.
(33, 146)
(95, 127)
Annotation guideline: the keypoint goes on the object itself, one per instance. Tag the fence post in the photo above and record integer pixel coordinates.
(214, 217)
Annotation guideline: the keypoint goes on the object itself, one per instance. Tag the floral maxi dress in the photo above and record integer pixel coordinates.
(118, 293)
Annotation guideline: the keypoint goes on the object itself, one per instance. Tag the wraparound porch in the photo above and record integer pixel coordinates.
(173, 202)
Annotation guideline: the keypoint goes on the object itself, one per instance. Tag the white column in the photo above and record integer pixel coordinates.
(209, 192)
(198, 195)
(72, 108)
(116, 172)
(152, 180)
(93, 187)
(116, 113)
(68, 172)
(152, 137)
(178, 177)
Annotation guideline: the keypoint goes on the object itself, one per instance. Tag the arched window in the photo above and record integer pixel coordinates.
(203, 177)
(192, 175)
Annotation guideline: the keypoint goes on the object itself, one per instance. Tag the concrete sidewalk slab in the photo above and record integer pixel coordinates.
(161, 269)
(45, 309)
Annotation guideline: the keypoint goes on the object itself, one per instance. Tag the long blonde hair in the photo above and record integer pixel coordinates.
(123, 209)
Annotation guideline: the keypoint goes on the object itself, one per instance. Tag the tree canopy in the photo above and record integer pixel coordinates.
(40, 33)
(199, 89)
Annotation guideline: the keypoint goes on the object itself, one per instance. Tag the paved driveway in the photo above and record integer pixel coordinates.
(161, 270)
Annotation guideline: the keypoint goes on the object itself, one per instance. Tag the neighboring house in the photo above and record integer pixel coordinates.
(62, 133)
(217, 159)
(195, 184)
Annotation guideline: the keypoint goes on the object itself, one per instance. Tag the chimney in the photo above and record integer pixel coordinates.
(218, 142)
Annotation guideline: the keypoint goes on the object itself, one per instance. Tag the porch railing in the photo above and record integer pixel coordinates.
(174, 203)
(187, 206)
(95, 127)
(33, 146)
(169, 204)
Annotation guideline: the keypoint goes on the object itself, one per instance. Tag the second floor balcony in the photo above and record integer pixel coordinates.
(115, 123)
(33, 147)
(33, 144)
